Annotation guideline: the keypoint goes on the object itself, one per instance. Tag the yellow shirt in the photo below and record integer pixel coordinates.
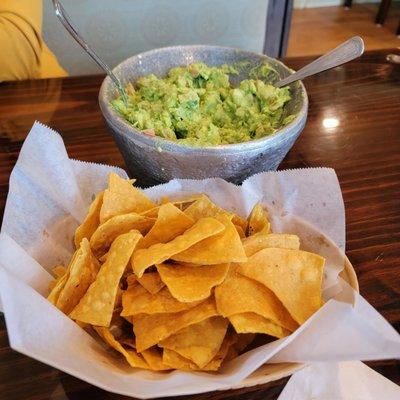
(23, 53)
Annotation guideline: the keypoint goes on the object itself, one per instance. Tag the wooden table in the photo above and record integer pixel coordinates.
(353, 126)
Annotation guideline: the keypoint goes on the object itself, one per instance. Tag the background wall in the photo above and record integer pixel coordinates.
(120, 28)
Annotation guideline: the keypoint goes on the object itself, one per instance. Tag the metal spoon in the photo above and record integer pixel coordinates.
(66, 21)
(342, 54)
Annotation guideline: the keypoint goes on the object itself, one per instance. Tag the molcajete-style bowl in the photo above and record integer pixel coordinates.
(154, 159)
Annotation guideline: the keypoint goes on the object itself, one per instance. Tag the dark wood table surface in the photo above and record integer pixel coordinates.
(362, 98)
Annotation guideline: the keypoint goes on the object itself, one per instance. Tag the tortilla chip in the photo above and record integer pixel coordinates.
(106, 233)
(128, 319)
(255, 243)
(189, 283)
(154, 358)
(180, 202)
(198, 342)
(56, 289)
(137, 300)
(176, 361)
(242, 341)
(152, 213)
(83, 325)
(96, 306)
(240, 231)
(204, 207)
(103, 258)
(258, 221)
(134, 359)
(118, 299)
(231, 351)
(254, 323)
(59, 271)
(222, 354)
(151, 281)
(184, 202)
(294, 276)
(165, 200)
(221, 248)
(239, 294)
(239, 221)
(233, 345)
(128, 342)
(170, 223)
(158, 253)
(82, 272)
(91, 221)
(151, 329)
(131, 280)
(122, 198)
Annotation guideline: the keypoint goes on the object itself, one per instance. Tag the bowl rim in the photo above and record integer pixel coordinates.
(120, 125)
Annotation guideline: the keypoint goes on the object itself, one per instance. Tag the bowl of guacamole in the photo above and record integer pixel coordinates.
(202, 111)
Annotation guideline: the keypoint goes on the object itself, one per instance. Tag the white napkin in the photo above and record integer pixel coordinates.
(49, 194)
(350, 380)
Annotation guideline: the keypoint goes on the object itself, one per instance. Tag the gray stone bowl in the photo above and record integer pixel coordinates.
(155, 160)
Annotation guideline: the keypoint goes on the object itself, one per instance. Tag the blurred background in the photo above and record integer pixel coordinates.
(318, 25)
(120, 28)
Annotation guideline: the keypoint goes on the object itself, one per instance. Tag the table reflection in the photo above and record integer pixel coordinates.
(330, 123)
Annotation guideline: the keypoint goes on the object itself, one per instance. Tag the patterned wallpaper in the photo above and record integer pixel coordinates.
(118, 29)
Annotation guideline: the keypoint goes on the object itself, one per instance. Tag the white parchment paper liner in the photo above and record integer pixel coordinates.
(48, 196)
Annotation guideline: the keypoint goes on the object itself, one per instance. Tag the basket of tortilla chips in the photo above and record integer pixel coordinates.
(184, 284)
(187, 287)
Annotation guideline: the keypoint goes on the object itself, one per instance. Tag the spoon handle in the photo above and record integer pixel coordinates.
(342, 54)
(66, 21)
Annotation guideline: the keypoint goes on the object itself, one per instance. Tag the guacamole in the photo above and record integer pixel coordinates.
(197, 106)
